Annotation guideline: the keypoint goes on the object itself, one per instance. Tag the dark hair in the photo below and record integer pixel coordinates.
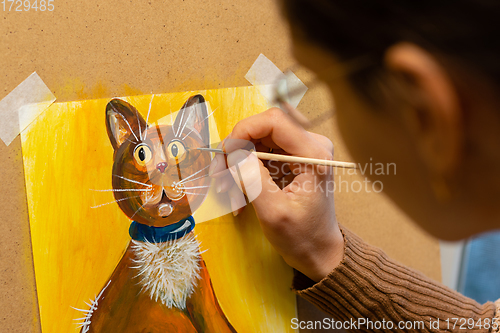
(465, 31)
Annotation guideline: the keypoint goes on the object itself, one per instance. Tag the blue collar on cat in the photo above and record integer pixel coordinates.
(146, 233)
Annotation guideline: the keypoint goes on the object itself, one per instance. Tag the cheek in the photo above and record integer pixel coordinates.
(365, 131)
(386, 153)
(377, 141)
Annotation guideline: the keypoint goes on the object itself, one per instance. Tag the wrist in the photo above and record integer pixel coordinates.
(326, 259)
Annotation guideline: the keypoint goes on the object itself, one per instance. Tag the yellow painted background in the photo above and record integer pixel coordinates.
(75, 248)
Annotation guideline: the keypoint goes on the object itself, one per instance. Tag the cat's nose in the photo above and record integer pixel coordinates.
(162, 166)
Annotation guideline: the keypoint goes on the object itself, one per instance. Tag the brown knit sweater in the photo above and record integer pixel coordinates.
(368, 286)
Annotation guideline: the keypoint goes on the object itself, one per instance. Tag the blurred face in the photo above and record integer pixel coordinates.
(379, 136)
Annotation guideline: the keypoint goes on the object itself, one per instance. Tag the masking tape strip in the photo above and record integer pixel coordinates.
(268, 78)
(23, 105)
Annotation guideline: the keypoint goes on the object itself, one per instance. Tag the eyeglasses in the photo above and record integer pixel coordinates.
(284, 94)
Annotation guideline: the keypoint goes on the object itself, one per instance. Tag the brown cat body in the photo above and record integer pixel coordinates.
(159, 179)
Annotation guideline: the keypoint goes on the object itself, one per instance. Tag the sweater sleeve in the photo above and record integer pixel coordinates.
(369, 289)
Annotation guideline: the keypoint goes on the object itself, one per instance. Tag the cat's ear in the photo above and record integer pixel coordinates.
(123, 121)
(193, 115)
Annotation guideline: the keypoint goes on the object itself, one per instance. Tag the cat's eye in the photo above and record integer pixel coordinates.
(142, 154)
(176, 151)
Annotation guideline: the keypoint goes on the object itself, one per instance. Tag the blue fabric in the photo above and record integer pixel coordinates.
(480, 278)
(146, 233)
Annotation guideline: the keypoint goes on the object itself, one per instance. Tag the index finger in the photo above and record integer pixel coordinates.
(283, 131)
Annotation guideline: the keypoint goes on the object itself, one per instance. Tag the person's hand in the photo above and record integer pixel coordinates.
(294, 202)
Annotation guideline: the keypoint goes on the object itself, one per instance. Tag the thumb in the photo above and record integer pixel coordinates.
(253, 179)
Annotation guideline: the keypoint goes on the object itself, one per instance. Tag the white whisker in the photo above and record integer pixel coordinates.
(185, 123)
(147, 118)
(139, 123)
(195, 193)
(139, 209)
(191, 131)
(121, 190)
(133, 181)
(183, 181)
(194, 174)
(212, 112)
(130, 127)
(180, 122)
(109, 203)
(192, 187)
(202, 121)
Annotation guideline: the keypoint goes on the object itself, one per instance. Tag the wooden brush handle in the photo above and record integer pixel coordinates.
(305, 160)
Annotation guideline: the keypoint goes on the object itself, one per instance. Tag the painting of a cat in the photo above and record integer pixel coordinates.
(159, 179)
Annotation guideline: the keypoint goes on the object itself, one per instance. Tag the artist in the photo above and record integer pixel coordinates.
(419, 88)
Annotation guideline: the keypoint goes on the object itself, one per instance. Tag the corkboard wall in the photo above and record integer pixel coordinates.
(91, 49)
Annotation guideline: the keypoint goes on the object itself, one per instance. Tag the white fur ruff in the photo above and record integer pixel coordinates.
(168, 271)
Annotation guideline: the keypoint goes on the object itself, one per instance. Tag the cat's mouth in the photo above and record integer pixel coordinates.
(161, 199)
(165, 207)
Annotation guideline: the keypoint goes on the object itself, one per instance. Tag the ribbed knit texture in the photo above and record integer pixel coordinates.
(368, 284)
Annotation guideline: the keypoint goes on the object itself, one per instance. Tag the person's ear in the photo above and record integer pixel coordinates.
(434, 117)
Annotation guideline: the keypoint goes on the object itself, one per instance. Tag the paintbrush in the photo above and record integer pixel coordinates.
(290, 159)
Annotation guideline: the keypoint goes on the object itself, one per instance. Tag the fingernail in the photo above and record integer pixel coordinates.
(213, 165)
(218, 186)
